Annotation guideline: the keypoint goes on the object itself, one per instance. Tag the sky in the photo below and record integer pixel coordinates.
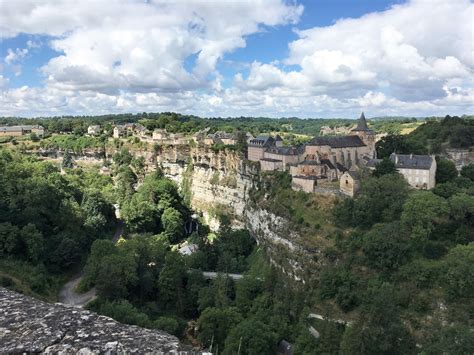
(274, 58)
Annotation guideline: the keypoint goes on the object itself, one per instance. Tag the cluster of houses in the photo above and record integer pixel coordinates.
(317, 165)
(324, 163)
(18, 131)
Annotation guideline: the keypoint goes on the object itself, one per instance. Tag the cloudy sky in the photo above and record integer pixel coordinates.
(320, 58)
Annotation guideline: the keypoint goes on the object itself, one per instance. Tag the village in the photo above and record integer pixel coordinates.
(331, 163)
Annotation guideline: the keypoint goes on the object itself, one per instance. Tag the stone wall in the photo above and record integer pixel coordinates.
(28, 325)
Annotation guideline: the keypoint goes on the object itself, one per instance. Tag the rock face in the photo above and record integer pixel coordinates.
(28, 325)
(222, 181)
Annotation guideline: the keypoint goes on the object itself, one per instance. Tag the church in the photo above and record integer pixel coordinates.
(346, 151)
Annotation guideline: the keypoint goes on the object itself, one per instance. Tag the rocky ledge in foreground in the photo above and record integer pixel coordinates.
(28, 325)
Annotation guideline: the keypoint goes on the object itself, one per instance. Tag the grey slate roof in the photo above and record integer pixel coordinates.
(411, 161)
(328, 163)
(262, 141)
(338, 142)
(362, 124)
(283, 150)
(18, 128)
(271, 160)
(355, 175)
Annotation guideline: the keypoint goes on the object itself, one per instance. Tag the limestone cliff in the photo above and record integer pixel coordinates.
(28, 325)
(217, 180)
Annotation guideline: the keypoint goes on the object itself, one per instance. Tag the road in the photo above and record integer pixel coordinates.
(69, 295)
(213, 275)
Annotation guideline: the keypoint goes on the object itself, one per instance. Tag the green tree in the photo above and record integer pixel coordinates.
(420, 212)
(379, 329)
(67, 160)
(171, 282)
(172, 223)
(117, 273)
(169, 325)
(386, 166)
(99, 249)
(458, 273)
(9, 239)
(214, 325)
(251, 337)
(461, 207)
(468, 171)
(140, 215)
(98, 212)
(445, 170)
(34, 242)
(386, 247)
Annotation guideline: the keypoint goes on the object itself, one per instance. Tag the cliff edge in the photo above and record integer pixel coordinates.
(28, 325)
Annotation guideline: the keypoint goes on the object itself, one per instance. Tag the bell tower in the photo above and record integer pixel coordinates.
(365, 134)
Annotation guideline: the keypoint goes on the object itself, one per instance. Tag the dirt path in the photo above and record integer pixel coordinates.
(69, 295)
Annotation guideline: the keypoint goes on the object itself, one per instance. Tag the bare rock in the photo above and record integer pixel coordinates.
(28, 325)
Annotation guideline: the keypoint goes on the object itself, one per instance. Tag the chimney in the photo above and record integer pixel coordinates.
(396, 159)
(411, 156)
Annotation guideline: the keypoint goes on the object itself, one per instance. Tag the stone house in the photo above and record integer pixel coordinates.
(269, 164)
(288, 155)
(257, 146)
(418, 170)
(94, 130)
(320, 169)
(18, 131)
(304, 183)
(349, 183)
(159, 134)
(128, 129)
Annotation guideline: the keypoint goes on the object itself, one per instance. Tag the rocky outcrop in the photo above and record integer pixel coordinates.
(28, 325)
(222, 181)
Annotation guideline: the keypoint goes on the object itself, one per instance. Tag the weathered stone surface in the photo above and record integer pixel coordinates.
(30, 325)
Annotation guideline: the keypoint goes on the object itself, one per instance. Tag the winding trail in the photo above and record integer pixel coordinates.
(69, 295)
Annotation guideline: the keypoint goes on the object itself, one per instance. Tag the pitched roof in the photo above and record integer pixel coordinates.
(271, 160)
(411, 161)
(262, 141)
(354, 174)
(328, 163)
(362, 124)
(283, 150)
(338, 142)
(19, 128)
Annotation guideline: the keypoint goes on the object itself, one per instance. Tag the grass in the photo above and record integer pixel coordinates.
(308, 214)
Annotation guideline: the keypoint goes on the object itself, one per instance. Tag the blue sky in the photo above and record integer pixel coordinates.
(274, 57)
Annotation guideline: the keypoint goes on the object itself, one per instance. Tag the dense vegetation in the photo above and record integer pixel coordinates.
(47, 221)
(400, 260)
(405, 265)
(175, 122)
(433, 137)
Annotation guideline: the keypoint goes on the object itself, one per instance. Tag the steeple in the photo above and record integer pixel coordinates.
(362, 124)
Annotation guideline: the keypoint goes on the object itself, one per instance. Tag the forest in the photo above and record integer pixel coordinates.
(400, 273)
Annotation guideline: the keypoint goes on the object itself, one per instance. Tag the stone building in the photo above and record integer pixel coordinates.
(269, 164)
(18, 131)
(258, 145)
(349, 183)
(304, 183)
(345, 150)
(93, 130)
(287, 155)
(418, 170)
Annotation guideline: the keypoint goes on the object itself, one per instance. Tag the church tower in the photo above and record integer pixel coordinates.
(365, 134)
